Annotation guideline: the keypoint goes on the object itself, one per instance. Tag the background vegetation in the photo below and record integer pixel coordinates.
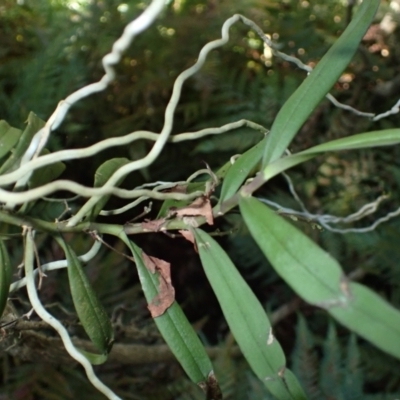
(50, 49)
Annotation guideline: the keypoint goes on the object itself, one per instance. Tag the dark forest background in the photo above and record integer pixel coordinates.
(48, 49)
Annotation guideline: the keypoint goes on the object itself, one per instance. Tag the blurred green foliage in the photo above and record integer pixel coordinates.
(51, 48)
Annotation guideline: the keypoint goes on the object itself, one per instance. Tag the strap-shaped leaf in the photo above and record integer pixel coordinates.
(103, 173)
(315, 275)
(313, 89)
(371, 317)
(318, 278)
(91, 313)
(5, 276)
(8, 137)
(240, 170)
(34, 125)
(360, 141)
(247, 320)
(173, 324)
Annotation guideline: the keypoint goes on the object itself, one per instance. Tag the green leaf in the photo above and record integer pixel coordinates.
(388, 137)
(310, 271)
(91, 313)
(95, 359)
(103, 173)
(8, 137)
(34, 125)
(385, 137)
(173, 324)
(5, 276)
(371, 317)
(46, 174)
(318, 278)
(309, 94)
(40, 177)
(44, 210)
(247, 320)
(240, 170)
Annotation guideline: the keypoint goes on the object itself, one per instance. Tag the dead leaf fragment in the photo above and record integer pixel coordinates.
(270, 339)
(176, 189)
(213, 389)
(188, 235)
(166, 292)
(153, 226)
(345, 287)
(200, 206)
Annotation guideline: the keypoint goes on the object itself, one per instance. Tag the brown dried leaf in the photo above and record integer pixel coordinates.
(176, 189)
(153, 226)
(188, 235)
(211, 387)
(166, 292)
(200, 206)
